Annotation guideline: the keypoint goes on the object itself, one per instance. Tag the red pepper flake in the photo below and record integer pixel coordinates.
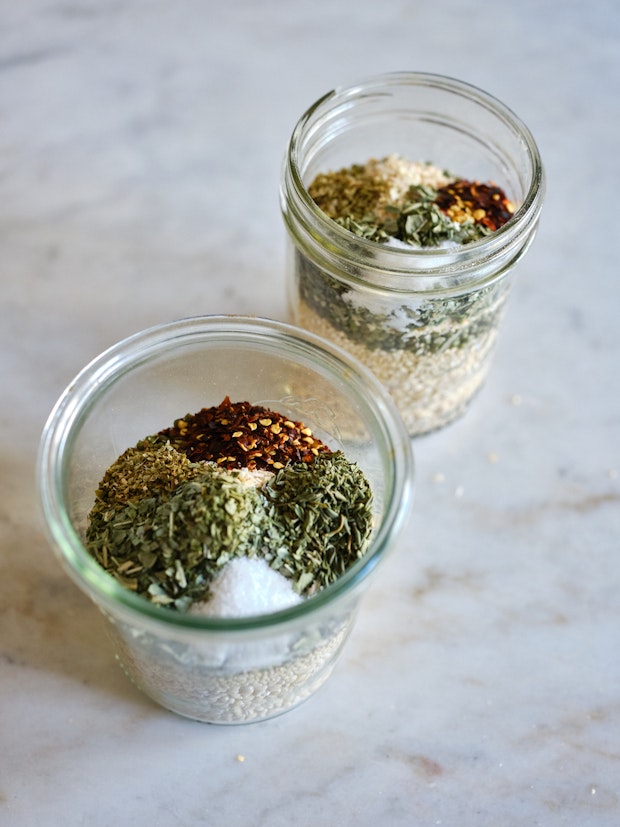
(484, 204)
(241, 435)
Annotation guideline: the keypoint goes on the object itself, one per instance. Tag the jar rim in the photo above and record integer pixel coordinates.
(390, 263)
(97, 375)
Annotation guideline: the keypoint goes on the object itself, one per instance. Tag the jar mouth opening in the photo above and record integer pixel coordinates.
(92, 381)
(425, 262)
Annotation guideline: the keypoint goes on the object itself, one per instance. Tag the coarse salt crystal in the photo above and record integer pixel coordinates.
(247, 586)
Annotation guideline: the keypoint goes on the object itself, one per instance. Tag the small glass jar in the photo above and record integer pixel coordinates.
(221, 670)
(423, 319)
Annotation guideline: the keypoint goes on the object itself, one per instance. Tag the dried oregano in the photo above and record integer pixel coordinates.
(143, 471)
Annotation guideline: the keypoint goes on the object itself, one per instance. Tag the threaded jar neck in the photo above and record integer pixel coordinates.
(421, 117)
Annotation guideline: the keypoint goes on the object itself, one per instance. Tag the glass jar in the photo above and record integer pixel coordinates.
(423, 319)
(221, 670)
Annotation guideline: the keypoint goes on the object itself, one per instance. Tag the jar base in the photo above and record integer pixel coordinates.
(430, 390)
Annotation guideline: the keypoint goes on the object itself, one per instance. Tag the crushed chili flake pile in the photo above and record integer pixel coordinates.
(484, 204)
(240, 435)
(231, 481)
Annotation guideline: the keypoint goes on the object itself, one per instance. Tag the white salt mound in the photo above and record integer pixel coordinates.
(247, 586)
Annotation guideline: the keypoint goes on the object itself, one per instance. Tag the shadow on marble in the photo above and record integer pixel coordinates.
(50, 626)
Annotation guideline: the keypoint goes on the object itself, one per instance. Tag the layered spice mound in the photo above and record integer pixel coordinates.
(231, 481)
(411, 202)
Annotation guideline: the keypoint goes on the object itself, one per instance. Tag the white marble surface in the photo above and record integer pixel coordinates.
(140, 148)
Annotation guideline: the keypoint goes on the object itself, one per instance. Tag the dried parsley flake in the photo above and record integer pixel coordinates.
(324, 510)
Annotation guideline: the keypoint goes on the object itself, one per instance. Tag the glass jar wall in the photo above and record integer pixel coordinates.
(424, 319)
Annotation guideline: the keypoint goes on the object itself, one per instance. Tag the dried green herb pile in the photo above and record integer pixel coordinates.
(417, 204)
(231, 480)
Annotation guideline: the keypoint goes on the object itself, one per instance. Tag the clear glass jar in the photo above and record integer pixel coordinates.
(221, 670)
(424, 320)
